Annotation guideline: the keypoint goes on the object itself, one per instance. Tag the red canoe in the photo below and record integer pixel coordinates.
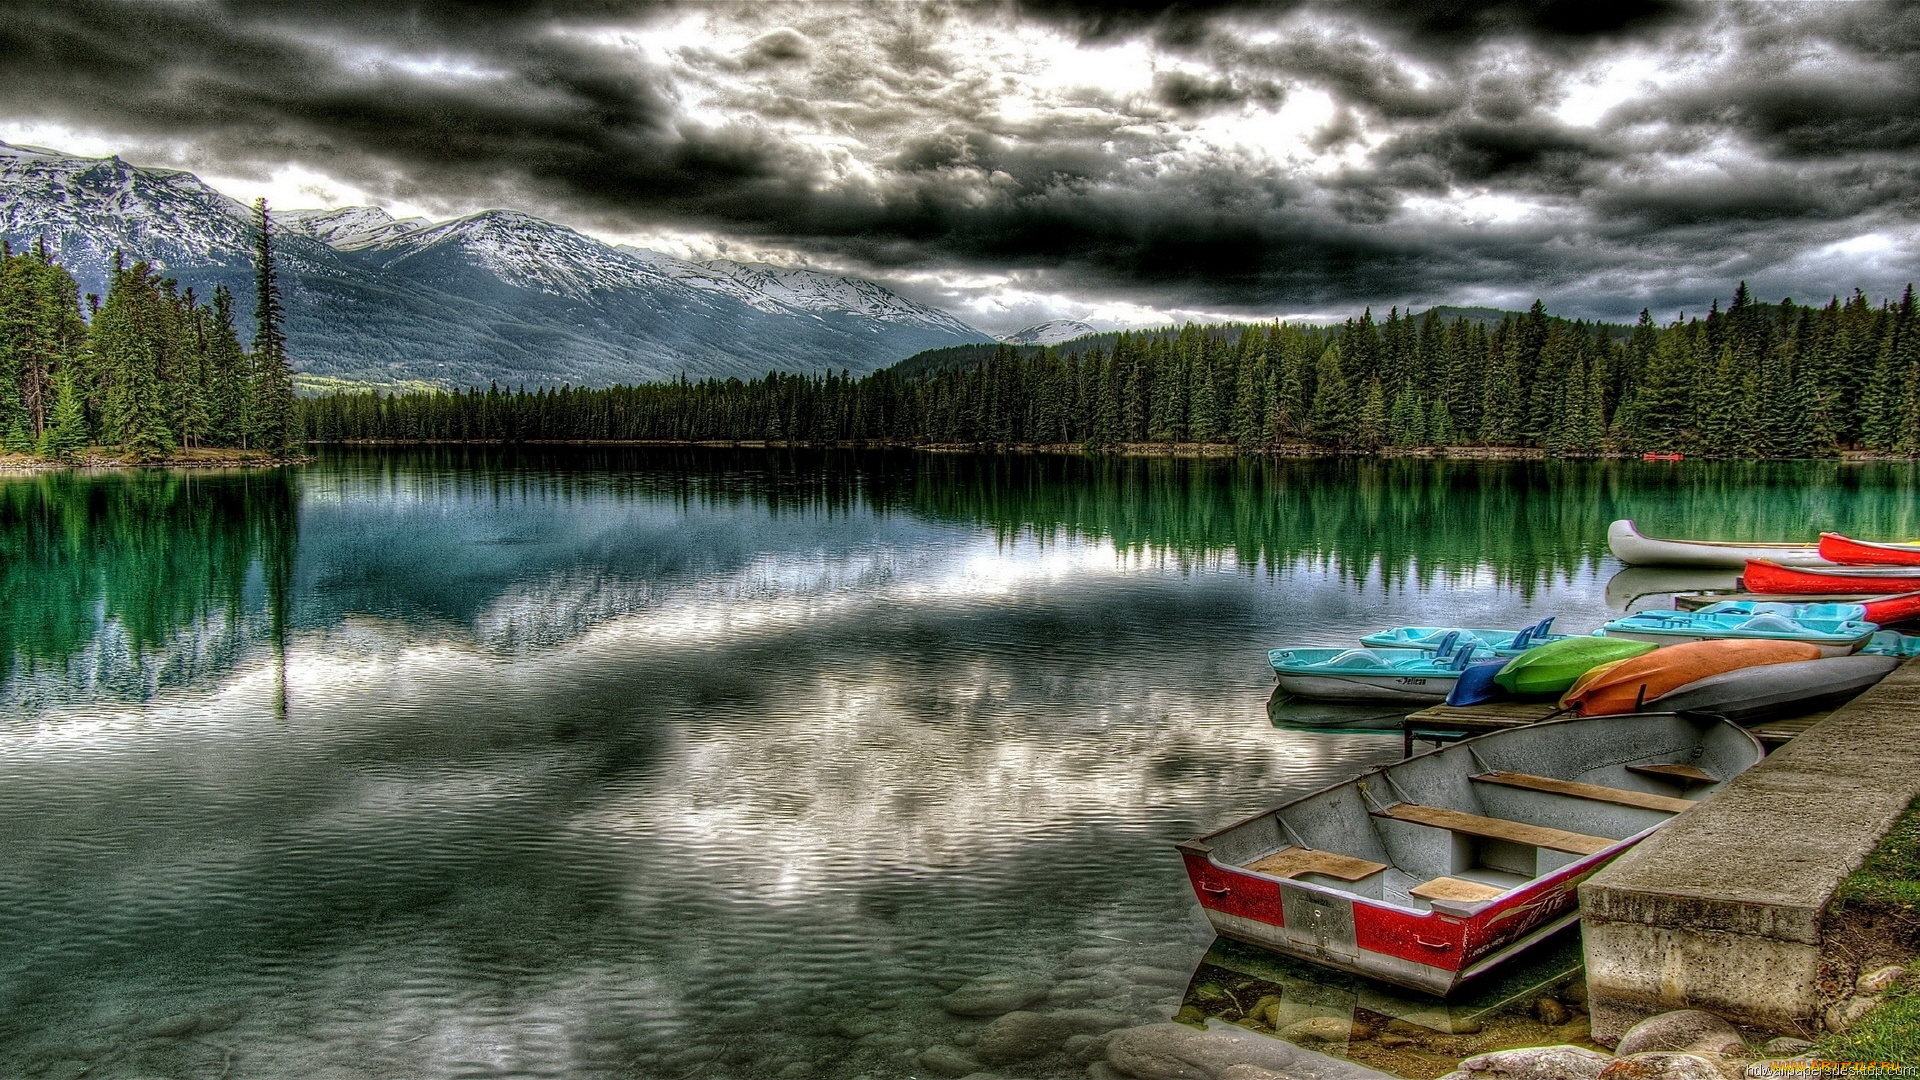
(1763, 576)
(1850, 552)
(1897, 608)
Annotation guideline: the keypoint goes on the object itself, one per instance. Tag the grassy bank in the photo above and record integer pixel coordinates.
(1880, 902)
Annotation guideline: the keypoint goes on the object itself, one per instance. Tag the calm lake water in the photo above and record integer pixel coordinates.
(675, 763)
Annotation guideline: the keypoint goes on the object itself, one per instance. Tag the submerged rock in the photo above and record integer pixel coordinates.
(1550, 1012)
(992, 995)
(1018, 1036)
(1534, 1063)
(1681, 1031)
(173, 1027)
(1153, 976)
(948, 1061)
(1324, 1029)
(1178, 1052)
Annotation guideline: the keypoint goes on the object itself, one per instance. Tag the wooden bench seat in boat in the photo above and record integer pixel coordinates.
(1686, 774)
(1288, 862)
(1513, 832)
(1645, 800)
(1456, 889)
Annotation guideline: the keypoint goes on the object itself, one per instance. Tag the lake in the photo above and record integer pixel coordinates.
(676, 763)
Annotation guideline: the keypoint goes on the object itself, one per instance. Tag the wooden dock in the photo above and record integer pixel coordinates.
(1448, 723)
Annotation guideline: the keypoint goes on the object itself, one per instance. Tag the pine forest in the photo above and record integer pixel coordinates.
(1752, 380)
(149, 371)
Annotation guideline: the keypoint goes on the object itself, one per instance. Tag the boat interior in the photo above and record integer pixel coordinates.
(1458, 827)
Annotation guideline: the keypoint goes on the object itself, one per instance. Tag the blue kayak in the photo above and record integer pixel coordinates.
(1834, 637)
(1371, 674)
(1502, 642)
(1789, 610)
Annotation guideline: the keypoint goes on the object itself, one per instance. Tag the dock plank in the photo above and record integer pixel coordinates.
(1645, 800)
(1515, 832)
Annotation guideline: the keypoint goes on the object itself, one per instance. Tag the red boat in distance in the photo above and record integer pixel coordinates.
(1661, 457)
(1850, 552)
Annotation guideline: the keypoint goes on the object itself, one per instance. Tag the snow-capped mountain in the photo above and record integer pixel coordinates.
(350, 228)
(495, 296)
(810, 290)
(1050, 333)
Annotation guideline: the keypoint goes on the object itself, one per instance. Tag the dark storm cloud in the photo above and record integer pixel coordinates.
(1444, 166)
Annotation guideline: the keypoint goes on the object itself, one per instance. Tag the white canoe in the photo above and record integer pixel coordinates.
(1634, 549)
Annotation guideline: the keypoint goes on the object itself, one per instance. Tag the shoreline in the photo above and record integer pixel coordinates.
(96, 457)
(1290, 451)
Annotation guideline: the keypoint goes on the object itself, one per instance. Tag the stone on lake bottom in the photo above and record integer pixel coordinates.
(173, 1027)
(1324, 1029)
(1534, 1063)
(1178, 1052)
(992, 995)
(1152, 976)
(948, 1061)
(1550, 1012)
(1680, 1031)
(1018, 1036)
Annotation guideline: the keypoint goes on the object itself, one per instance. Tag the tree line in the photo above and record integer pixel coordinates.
(1752, 380)
(150, 370)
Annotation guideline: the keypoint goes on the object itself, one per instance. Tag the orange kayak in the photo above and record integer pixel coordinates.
(1625, 686)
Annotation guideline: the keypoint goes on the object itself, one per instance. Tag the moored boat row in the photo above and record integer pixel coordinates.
(1430, 872)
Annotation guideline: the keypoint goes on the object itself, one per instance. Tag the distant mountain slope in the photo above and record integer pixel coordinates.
(497, 296)
(1050, 333)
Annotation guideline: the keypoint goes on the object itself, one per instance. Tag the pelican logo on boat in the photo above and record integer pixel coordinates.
(1413, 682)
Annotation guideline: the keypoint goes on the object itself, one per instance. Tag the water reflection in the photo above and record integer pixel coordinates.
(117, 586)
(693, 763)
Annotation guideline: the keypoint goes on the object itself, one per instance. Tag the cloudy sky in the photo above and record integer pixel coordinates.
(1120, 163)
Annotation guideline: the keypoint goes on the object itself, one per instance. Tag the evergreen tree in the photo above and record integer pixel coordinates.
(271, 384)
(66, 432)
(1331, 420)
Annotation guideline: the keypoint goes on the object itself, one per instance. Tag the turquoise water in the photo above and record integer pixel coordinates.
(675, 763)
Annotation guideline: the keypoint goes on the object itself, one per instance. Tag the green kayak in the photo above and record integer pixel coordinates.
(1553, 667)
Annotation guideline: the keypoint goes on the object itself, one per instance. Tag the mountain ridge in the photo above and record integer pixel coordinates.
(499, 295)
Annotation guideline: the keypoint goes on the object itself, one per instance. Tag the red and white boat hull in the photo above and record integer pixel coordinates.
(1430, 871)
(1430, 951)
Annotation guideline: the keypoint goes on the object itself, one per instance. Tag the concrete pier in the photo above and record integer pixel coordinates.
(1722, 909)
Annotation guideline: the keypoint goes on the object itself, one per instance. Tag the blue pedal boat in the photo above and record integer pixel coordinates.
(1785, 608)
(1413, 675)
(1502, 642)
(1833, 637)
(1892, 643)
